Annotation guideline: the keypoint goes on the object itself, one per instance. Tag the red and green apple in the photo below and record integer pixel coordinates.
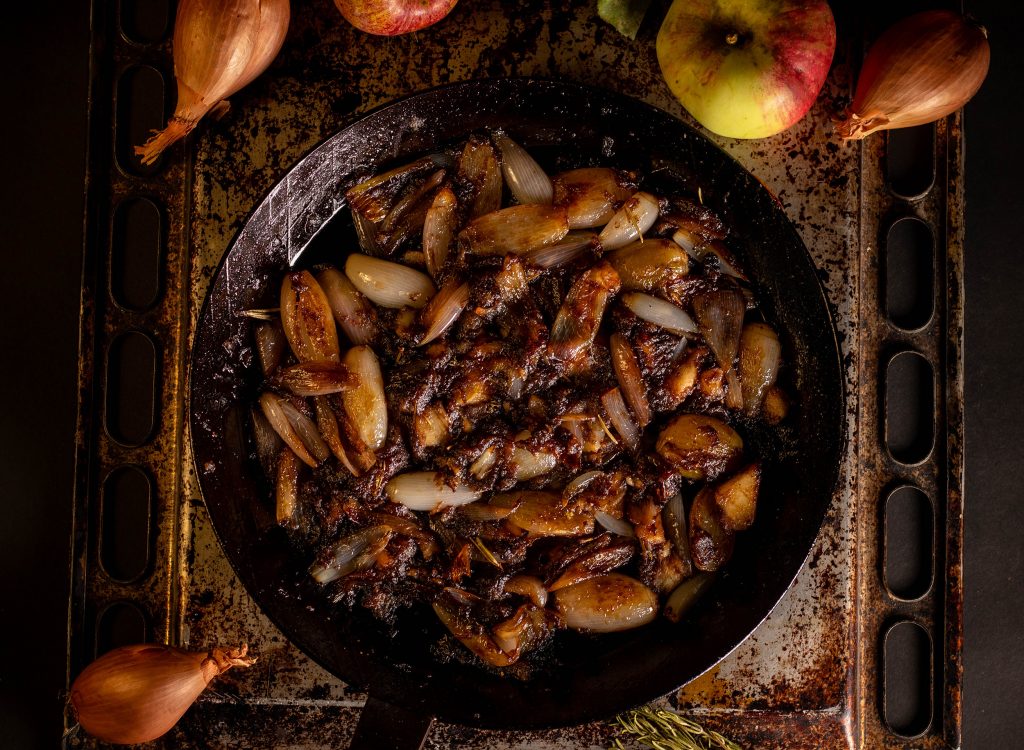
(747, 68)
(393, 17)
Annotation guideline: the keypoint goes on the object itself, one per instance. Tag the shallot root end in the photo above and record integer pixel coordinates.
(177, 128)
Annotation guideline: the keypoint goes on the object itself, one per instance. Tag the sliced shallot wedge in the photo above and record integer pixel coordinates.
(631, 381)
(664, 314)
(427, 490)
(444, 309)
(351, 310)
(273, 410)
(524, 176)
(516, 230)
(580, 314)
(720, 316)
(316, 378)
(607, 604)
(354, 552)
(439, 230)
(479, 169)
(287, 487)
(629, 223)
(307, 319)
(388, 284)
(365, 404)
(591, 195)
(760, 353)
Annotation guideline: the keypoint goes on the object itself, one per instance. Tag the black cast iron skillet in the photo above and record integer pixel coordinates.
(587, 678)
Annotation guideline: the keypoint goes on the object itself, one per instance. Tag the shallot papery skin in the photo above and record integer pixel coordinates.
(220, 46)
(137, 693)
(923, 68)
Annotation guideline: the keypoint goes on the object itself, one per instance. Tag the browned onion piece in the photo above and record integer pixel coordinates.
(528, 586)
(543, 514)
(364, 404)
(651, 265)
(351, 310)
(627, 372)
(306, 431)
(607, 604)
(373, 198)
(427, 490)
(515, 230)
(524, 176)
(619, 416)
(574, 245)
(460, 625)
(268, 442)
(580, 315)
(404, 204)
(316, 378)
(354, 552)
(629, 223)
(719, 315)
(388, 284)
(327, 424)
(591, 195)
(710, 542)
(659, 312)
(288, 468)
(273, 410)
(760, 353)
(529, 464)
(673, 518)
(479, 168)
(307, 319)
(439, 230)
(613, 524)
(686, 595)
(444, 309)
(270, 345)
(699, 446)
(597, 563)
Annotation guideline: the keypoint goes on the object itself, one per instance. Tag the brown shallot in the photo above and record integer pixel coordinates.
(220, 46)
(921, 69)
(135, 694)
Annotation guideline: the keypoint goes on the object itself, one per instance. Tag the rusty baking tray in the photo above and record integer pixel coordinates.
(865, 649)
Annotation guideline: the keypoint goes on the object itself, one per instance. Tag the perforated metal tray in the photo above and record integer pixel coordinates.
(146, 565)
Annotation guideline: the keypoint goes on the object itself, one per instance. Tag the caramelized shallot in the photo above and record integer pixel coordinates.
(524, 176)
(388, 284)
(351, 310)
(591, 195)
(516, 230)
(760, 353)
(607, 604)
(629, 223)
(427, 490)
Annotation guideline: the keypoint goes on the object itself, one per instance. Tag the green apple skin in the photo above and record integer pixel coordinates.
(747, 68)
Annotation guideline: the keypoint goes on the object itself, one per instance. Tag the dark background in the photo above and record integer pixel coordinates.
(45, 52)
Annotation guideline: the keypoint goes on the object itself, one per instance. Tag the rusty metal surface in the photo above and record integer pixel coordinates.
(809, 676)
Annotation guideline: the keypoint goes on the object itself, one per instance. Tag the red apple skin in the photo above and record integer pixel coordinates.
(393, 17)
(759, 85)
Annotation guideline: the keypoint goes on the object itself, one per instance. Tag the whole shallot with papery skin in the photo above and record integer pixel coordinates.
(137, 693)
(925, 67)
(220, 46)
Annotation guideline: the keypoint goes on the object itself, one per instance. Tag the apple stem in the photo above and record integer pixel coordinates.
(732, 38)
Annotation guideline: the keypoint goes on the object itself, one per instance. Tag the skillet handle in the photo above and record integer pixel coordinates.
(385, 726)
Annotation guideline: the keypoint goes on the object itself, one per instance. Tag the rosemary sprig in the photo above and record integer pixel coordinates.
(659, 729)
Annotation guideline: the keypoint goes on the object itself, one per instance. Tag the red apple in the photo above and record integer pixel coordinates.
(393, 17)
(747, 68)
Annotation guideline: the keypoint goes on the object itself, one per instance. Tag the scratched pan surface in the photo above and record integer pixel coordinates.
(587, 678)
